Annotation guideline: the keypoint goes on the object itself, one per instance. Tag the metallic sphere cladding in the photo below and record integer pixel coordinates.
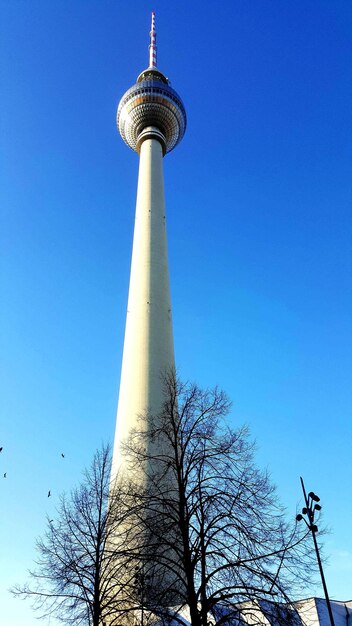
(151, 102)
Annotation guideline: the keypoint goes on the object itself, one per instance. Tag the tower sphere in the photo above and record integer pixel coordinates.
(149, 105)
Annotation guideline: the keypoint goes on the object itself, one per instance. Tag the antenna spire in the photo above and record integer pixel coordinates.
(152, 45)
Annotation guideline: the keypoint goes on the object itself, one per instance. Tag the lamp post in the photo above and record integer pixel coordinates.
(309, 511)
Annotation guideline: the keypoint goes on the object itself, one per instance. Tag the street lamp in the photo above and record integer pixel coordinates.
(308, 517)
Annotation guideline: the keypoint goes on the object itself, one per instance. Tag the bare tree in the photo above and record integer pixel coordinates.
(84, 574)
(209, 518)
(195, 524)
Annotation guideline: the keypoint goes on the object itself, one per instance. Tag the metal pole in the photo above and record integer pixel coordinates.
(310, 516)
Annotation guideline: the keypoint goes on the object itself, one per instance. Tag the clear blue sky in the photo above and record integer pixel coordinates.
(259, 224)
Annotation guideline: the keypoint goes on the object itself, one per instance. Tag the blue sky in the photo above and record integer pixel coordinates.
(258, 201)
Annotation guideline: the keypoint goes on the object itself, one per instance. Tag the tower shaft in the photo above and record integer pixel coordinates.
(151, 119)
(148, 346)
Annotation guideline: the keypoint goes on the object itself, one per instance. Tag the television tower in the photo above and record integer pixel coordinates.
(151, 119)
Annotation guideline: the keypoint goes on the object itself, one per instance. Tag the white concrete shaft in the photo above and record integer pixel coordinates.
(148, 346)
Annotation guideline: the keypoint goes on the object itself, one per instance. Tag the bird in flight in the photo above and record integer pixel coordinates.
(62, 454)
(5, 474)
(1, 449)
(49, 493)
